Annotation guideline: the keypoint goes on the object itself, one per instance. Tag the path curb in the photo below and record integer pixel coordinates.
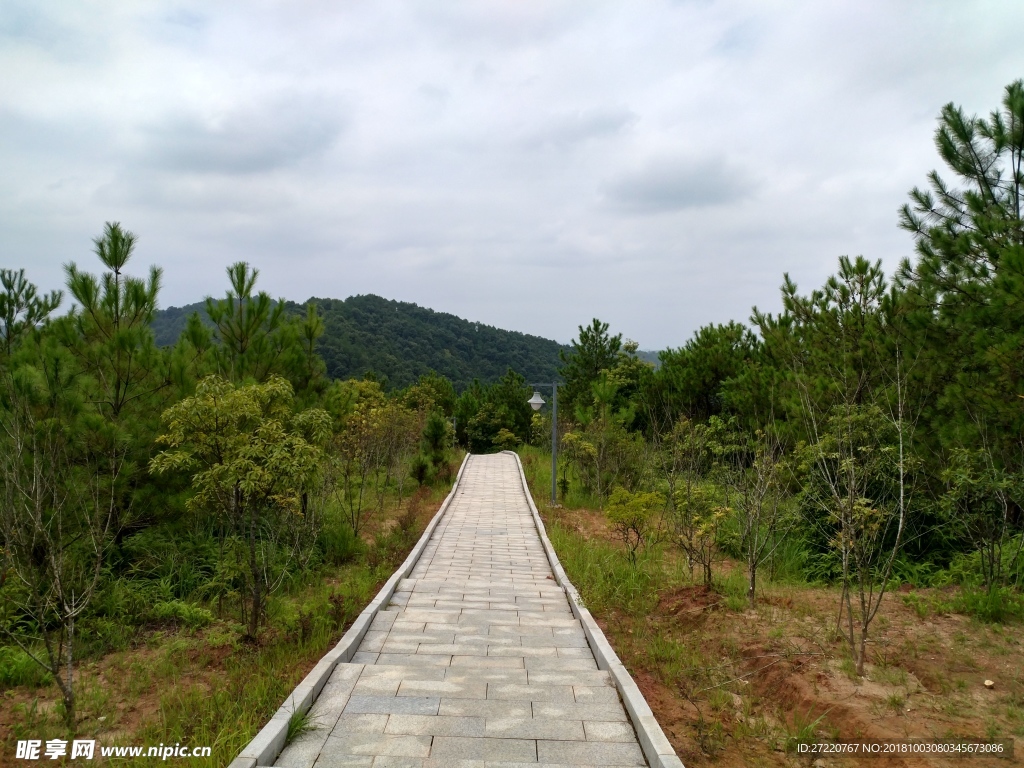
(265, 748)
(655, 744)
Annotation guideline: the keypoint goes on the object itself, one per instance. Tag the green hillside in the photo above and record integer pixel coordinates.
(401, 341)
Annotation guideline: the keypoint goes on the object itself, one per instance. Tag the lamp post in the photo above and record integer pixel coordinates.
(536, 402)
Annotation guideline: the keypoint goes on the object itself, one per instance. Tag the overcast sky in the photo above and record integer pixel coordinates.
(528, 165)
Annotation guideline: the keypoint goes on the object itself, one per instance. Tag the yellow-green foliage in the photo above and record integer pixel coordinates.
(631, 516)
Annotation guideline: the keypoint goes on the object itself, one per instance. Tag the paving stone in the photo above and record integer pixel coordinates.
(466, 674)
(400, 646)
(533, 728)
(402, 672)
(462, 689)
(373, 744)
(574, 711)
(600, 694)
(559, 664)
(484, 749)
(406, 762)
(373, 640)
(421, 637)
(436, 725)
(605, 731)
(409, 626)
(523, 632)
(582, 652)
(409, 705)
(521, 650)
(484, 708)
(330, 760)
(550, 677)
(589, 753)
(513, 692)
(482, 639)
(303, 751)
(492, 662)
(414, 660)
(351, 723)
(383, 620)
(451, 649)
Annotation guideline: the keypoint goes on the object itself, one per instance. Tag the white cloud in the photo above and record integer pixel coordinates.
(528, 165)
(672, 184)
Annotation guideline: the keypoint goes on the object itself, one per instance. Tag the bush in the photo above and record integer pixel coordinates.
(630, 515)
(420, 470)
(18, 668)
(505, 440)
(337, 543)
(966, 569)
(994, 606)
(187, 614)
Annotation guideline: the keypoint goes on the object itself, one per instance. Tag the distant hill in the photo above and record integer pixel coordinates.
(649, 356)
(402, 341)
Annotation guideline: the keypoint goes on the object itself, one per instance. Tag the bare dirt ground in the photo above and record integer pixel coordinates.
(733, 686)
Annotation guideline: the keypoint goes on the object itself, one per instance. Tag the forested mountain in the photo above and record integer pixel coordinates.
(400, 341)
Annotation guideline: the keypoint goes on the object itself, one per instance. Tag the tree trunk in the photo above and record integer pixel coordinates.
(257, 605)
(862, 653)
(69, 695)
(752, 581)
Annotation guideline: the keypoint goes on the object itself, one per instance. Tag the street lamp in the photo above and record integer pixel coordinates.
(536, 402)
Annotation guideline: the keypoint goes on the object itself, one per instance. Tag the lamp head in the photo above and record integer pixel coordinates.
(536, 401)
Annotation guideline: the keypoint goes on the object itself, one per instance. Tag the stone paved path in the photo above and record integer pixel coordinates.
(478, 662)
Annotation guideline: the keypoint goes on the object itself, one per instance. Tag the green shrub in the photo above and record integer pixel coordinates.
(994, 606)
(965, 568)
(187, 614)
(918, 574)
(337, 543)
(18, 668)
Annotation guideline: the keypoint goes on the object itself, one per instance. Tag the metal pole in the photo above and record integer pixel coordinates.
(554, 443)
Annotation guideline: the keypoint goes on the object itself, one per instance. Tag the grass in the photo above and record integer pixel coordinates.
(18, 668)
(603, 576)
(732, 585)
(803, 730)
(299, 723)
(890, 675)
(895, 702)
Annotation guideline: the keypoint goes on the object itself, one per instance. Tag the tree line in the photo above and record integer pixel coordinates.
(869, 432)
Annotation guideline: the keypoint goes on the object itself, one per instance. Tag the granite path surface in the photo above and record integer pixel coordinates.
(478, 662)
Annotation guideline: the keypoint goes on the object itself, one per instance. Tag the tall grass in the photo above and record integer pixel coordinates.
(18, 668)
(603, 575)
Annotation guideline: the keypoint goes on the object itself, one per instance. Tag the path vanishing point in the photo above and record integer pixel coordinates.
(478, 654)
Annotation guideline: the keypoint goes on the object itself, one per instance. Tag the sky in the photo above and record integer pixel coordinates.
(528, 165)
